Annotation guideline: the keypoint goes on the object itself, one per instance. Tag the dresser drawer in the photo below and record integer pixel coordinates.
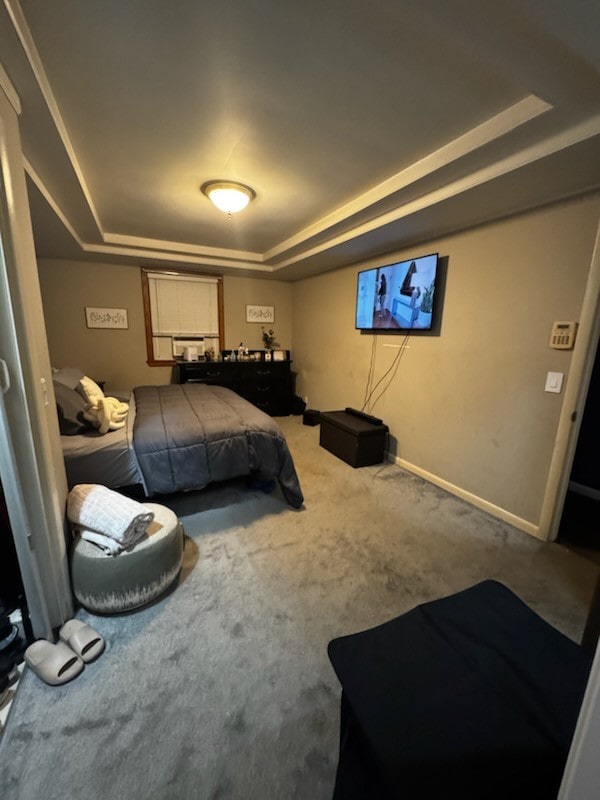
(209, 372)
(266, 385)
(274, 406)
(264, 370)
(261, 386)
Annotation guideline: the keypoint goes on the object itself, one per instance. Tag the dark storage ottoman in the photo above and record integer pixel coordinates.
(358, 439)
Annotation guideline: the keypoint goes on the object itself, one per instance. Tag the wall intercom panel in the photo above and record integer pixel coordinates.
(563, 335)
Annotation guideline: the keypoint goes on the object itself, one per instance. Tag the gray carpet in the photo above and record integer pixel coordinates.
(222, 688)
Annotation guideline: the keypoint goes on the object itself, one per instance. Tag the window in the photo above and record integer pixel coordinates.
(181, 308)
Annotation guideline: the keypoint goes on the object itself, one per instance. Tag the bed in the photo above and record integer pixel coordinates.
(178, 438)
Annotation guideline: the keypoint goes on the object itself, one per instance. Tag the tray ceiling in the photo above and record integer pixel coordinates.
(362, 127)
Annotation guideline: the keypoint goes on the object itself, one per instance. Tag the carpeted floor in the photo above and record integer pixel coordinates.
(222, 688)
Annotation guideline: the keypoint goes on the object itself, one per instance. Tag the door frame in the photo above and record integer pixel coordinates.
(576, 389)
(31, 463)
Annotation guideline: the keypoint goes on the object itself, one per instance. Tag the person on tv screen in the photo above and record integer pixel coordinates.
(415, 305)
(382, 292)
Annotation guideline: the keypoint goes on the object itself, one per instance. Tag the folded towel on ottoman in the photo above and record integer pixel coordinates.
(119, 520)
(110, 546)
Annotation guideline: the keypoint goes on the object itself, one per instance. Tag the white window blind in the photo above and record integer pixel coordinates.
(182, 305)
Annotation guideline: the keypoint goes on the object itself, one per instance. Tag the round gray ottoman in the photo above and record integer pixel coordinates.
(110, 584)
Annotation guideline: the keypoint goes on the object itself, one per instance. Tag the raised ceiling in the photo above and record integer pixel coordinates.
(362, 127)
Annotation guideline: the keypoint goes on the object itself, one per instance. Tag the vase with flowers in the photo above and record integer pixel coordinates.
(268, 337)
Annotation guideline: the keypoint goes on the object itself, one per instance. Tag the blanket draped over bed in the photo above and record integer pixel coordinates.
(189, 435)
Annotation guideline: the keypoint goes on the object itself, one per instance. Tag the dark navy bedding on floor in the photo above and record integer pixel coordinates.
(470, 696)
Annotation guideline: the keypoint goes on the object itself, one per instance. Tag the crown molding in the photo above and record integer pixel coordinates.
(180, 258)
(552, 144)
(41, 186)
(494, 128)
(22, 30)
(9, 90)
(181, 247)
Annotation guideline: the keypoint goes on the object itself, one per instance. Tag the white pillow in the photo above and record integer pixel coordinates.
(90, 390)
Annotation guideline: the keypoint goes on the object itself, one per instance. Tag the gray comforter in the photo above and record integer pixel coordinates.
(188, 435)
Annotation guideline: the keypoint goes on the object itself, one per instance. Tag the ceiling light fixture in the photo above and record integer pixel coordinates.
(228, 196)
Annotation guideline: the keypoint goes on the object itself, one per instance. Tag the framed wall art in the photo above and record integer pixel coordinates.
(264, 314)
(106, 317)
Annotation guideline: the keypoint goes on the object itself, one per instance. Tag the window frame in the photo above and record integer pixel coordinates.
(145, 271)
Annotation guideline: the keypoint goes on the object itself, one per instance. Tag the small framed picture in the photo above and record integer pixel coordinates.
(279, 355)
(264, 314)
(106, 317)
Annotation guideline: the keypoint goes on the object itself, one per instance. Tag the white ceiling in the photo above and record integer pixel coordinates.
(362, 127)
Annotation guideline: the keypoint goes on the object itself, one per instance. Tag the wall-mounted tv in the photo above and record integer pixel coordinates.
(398, 296)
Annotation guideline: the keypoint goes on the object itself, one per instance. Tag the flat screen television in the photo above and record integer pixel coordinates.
(397, 297)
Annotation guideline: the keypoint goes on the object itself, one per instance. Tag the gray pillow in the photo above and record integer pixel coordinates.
(70, 406)
(69, 376)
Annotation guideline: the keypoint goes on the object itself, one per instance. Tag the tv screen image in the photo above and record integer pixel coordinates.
(397, 296)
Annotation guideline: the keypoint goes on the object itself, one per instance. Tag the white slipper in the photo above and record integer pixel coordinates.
(82, 639)
(53, 663)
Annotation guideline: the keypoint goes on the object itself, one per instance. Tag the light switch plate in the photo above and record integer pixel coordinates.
(554, 382)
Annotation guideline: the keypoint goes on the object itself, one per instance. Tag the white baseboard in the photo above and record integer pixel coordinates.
(475, 500)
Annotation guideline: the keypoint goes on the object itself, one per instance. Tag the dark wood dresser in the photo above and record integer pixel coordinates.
(265, 384)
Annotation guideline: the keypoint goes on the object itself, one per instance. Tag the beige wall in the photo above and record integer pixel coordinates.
(119, 356)
(239, 292)
(467, 407)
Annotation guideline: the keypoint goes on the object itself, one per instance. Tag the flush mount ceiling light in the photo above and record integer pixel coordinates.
(228, 196)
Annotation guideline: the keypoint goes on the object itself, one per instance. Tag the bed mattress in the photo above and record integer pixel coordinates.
(108, 460)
